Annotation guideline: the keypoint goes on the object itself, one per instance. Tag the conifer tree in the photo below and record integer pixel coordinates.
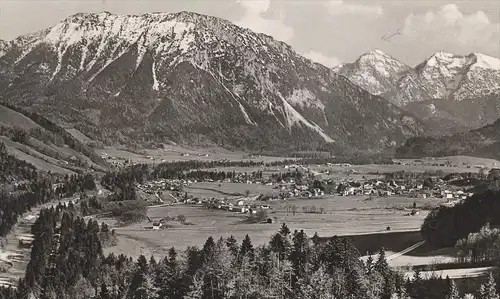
(104, 293)
(453, 291)
(196, 288)
(247, 249)
(232, 245)
(490, 289)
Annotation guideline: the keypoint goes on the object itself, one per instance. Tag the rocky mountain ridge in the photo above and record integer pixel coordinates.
(450, 92)
(193, 79)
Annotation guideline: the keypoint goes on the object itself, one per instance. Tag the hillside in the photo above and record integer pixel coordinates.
(451, 93)
(192, 79)
(483, 142)
(47, 146)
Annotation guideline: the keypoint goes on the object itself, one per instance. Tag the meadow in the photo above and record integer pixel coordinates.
(342, 216)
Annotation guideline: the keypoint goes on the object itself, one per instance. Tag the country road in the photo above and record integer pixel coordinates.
(396, 255)
(451, 273)
(405, 251)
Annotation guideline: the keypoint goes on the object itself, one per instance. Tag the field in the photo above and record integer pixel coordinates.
(176, 153)
(343, 216)
(206, 189)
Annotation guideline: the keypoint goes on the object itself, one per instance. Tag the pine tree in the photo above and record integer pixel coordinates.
(232, 245)
(381, 264)
(490, 289)
(208, 249)
(369, 264)
(196, 287)
(247, 249)
(453, 291)
(319, 285)
(300, 256)
(104, 293)
(316, 239)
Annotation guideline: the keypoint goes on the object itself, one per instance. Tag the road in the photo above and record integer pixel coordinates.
(405, 251)
(454, 273)
(451, 273)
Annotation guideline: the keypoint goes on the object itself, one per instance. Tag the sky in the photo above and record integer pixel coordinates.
(327, 31)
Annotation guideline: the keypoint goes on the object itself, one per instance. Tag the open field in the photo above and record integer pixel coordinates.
(343, 216)
(176, 153)
(207, 189)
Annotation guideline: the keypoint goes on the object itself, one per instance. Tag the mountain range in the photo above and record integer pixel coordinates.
(451, 93)
(192, 79)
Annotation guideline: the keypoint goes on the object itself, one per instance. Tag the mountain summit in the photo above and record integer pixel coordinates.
(193, 79)
(451, 93)
(375, 71)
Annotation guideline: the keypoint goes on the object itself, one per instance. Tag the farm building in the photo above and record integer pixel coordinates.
(157, 225)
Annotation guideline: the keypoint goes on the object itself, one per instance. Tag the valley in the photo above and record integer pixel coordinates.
(185, 156)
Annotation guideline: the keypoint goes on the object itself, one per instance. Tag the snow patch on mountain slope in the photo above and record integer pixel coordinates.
(486, 62)
(247, 117)
(304, 98)
(294, 117)
(156, 84)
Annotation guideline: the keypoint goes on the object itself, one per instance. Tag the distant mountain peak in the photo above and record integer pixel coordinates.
(376, 52)
(374, 71)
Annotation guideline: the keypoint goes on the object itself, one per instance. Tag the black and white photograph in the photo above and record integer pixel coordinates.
(249, 149)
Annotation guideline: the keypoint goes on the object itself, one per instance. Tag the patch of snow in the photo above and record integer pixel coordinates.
(84, 57)
(486, 62)
(304, 98)
(245, 114)
(294, 117)
(156, 85)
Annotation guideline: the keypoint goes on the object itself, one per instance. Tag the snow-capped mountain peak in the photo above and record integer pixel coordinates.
(375, 71)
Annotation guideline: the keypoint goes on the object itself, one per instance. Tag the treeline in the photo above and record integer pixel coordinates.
(444, 226)
(37, 192)
(54, 133)
(72, 184)
(141, 173)
(13, 168)
(295, 175)
(481, 246)
(452, 145)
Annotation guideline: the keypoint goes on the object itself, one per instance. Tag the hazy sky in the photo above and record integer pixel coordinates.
(327, 31)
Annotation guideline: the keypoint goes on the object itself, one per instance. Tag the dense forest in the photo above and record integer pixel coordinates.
(36, 192)
(444, 226)
(13, 169)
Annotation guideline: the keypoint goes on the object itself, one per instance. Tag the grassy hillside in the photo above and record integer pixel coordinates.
(48, 146)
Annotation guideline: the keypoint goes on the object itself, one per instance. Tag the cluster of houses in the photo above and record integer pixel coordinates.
(153, 187)
(235, 205)
(411, 189)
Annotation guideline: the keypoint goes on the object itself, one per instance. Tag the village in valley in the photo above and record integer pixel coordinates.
(301, 182)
